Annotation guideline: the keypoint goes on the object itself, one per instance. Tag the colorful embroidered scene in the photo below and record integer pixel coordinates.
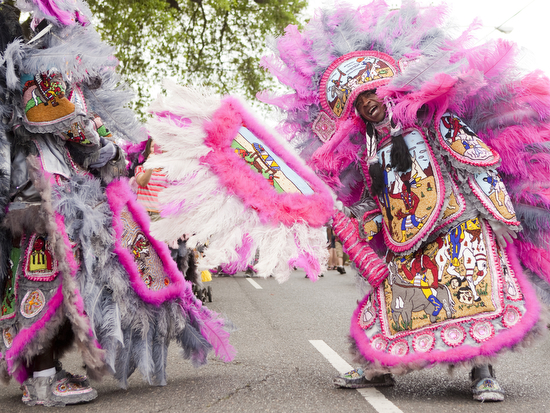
(40, 264)
(148, 262)
(490, 189)
(409, 198)
(350, 74)
(465, 295)
(449, 279)
(461, 141)
(262, 160)
(44, 98)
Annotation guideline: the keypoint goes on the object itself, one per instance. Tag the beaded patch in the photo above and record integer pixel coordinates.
(44, 99)
(424, 342)
(451, 320)
(411, 201)
(7, 335)
(145, 257)
(463, 144)
(511, 316)
(447, 279)
(482, 331)
(368, 314)
(82, 132)
(490, 190)
(453, 335)
(33, 302)
(40, 264)
(264, 161)
(372, 225)
(66, 387)
(323, 126)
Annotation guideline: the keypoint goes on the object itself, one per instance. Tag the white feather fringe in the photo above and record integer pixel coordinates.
(199, 205)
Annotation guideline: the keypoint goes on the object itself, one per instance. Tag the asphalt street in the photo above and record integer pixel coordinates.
(279, 366)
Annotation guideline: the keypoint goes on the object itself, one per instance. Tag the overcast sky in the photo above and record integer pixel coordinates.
(529, 21)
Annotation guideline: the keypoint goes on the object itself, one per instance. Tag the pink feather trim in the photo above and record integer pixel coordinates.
(252, 188)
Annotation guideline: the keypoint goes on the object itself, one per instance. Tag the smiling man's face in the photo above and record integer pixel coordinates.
(370, 107)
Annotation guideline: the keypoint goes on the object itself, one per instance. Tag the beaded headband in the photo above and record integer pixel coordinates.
(346, 78)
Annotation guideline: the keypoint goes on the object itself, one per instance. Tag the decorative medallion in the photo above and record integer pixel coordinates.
(424, 342)
(399, 348)
(379, 343)
(482, 331)
(511, 316)
(324, 127)
(453, 335)
(32, 303)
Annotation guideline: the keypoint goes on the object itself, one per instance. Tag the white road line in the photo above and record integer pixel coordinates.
(255, 284)
(371, 395)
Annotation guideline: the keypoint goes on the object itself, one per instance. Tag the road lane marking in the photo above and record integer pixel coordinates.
(371, 395)
(255, 284)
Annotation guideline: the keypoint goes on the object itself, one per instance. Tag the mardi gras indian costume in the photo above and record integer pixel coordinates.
(78, 263)
(443, 155)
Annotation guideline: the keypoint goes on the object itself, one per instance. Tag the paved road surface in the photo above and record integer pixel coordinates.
(279, 368)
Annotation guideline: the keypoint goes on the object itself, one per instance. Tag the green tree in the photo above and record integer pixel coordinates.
(212, 42)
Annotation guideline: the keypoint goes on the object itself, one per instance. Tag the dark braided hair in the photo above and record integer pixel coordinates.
(400, 157)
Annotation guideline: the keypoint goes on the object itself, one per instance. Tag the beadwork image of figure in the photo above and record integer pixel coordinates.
(462, 139)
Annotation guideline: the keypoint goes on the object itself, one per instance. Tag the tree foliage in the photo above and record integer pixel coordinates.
(216, 43)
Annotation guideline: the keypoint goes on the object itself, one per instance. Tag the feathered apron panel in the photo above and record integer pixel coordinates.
(458, 298)
(155, 278)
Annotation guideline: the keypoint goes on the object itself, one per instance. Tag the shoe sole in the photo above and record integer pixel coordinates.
(489, 397)
(362, 383)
